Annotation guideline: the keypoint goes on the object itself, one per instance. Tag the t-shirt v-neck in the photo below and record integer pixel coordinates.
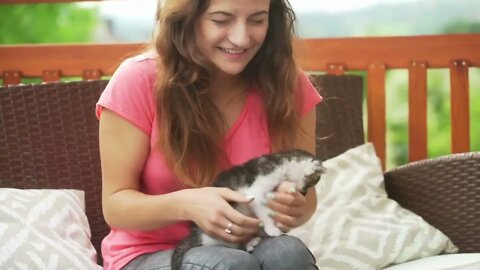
(231, 131)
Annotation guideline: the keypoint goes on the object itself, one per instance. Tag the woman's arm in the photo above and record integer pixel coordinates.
(123, 150)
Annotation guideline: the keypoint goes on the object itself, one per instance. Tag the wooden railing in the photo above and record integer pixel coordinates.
(375, 55)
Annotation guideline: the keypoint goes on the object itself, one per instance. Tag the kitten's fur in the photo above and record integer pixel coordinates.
(256, 178)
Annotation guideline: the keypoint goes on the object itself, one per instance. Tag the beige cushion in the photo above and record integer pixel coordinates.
(44, 229)
(356, 226)
(465, 261)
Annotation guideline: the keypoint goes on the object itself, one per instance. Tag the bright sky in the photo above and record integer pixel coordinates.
(134, 8)
(336, 5)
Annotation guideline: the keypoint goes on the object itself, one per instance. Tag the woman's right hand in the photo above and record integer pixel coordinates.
(208, 207)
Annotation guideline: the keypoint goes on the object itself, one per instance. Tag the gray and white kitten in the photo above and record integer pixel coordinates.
(256, 178)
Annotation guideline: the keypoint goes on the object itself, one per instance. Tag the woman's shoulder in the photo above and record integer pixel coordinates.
(145, 58)
(130, 91)
(143, 64)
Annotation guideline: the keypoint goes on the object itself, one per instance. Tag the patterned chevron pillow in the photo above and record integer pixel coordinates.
(356, 226)
(44, 229)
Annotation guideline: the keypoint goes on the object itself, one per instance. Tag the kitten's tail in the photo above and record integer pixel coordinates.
(184, 246)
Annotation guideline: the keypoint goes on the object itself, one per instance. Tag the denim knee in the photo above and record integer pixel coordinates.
(219, 258)
(284, 252)
(238, 260)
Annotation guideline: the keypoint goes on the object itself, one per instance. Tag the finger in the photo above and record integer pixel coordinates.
(290, 199)
(285, 209)
(287, 187)
(282, 227)
(232, 228)
(233, 196)
(285, 220)
(231, 238)
(228, 235)
(245, 222)
(246, 225)
(238, 217)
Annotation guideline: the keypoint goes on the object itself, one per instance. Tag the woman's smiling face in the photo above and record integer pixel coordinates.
(230, 32)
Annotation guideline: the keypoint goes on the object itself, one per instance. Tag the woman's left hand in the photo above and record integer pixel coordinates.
(288, 207)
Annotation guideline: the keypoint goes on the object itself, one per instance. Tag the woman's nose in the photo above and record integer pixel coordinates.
(239, 35)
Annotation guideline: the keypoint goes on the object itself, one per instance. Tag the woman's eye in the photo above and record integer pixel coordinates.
(220, 22)
(257, 22)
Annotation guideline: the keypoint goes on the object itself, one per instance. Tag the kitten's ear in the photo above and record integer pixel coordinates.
(312, 179)
(320, 169)
(318, 173)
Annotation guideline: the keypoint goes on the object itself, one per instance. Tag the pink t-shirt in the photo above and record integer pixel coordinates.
(130, 93)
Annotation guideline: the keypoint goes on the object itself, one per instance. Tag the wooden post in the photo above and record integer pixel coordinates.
(417, 110)
(460, 116)
(376, 109)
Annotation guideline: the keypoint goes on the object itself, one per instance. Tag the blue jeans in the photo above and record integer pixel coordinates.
(280, 253)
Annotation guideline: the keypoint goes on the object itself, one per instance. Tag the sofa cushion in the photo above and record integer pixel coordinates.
(465, 261)
(356, 226)
(44, 229)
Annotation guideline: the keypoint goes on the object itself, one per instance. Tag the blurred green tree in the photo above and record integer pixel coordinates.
(462, 26)
(438, 107)
(46, 23)
(439, 125)
(397, 117)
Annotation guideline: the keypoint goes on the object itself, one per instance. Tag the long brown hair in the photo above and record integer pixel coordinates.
(191, 127)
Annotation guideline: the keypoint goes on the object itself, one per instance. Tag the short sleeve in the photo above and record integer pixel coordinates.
(307, 95)
(130, 94)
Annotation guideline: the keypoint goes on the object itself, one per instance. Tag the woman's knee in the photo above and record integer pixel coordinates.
(220, 258)
(284, 252)
(240, 261)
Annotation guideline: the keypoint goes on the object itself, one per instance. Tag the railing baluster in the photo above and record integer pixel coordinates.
(332, 55)
(376, 109)
(12, 77)
(460, 117)
(335, 68)
(51, 75)
(417, 110)
(92, 74)
(72, 59)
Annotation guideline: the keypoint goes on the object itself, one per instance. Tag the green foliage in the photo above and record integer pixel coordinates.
(419, 17)
(69, 22)
(397, 117)
(438, 110)
(438, 114)
(474, 109)
(462, 26)
(46, 23)
(438, 106)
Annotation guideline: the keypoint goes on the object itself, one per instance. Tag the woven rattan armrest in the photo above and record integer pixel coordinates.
(49, 140)
(445, 191)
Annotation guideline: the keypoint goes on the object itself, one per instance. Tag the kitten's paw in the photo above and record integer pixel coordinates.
(253, 243)
(272, 230)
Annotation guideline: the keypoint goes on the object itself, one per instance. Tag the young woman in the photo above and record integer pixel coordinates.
(220, 88)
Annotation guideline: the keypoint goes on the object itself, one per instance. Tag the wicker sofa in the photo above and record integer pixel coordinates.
(49, 140)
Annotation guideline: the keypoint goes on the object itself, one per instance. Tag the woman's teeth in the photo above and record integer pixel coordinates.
(231, 51)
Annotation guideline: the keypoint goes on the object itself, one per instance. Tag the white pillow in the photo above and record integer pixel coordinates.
(464, 261)
(356, 226)
(44, 229)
